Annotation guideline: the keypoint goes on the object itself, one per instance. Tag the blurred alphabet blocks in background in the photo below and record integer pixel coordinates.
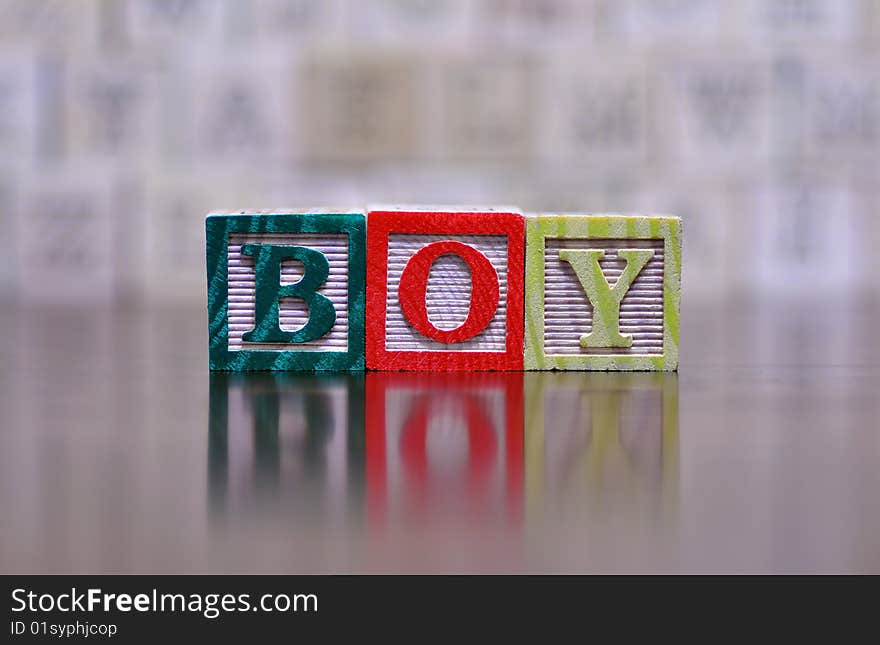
(286, 291)
(7, 242)
(19, 82)
(556, 105)
(486, 110)
(65, 233)
(602, 292)
(362, 108)
(445, 290)
(723, 108)
(596, 116)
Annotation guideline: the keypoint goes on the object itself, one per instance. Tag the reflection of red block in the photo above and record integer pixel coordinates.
(444, 445)
(445, 290)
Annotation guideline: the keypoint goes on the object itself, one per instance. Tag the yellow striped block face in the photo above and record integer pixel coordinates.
(602, 292)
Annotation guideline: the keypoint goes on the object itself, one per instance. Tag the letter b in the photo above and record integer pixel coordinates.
(270, 292)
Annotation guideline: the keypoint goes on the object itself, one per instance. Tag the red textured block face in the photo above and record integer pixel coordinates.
(445, 290)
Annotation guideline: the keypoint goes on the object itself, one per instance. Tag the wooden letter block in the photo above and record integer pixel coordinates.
(445, 290)
(602, 292)
(286, 291)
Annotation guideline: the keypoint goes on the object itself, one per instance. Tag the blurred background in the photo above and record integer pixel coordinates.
(123, 122)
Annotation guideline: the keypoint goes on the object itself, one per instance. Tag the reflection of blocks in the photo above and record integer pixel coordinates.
(589, 438)
(603, 292)
(448, 445)
(285, 442)
(445, 290)
(286, 291)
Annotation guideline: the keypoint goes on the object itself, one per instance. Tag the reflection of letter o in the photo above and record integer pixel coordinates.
(414, 286)
(482, 444)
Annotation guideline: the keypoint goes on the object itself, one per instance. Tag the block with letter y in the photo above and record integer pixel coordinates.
(286, 291)
(602, 292)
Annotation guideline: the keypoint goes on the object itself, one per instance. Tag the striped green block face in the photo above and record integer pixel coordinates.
(602, 292)
(286, 291)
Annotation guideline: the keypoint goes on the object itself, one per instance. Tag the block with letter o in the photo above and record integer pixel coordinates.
(445, 289)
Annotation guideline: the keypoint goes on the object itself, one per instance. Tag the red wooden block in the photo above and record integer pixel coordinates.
(445, 290)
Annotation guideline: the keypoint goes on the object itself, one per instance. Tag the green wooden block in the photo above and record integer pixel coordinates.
(286, 291)
(602, 292)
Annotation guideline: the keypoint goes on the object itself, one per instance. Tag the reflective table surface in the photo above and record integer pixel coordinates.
(120, 452)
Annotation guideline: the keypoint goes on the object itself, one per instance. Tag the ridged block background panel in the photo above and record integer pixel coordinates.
(293, 312)
(448, 298)
(567, 310)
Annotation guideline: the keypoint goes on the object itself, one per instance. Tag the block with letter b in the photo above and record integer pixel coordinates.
(445, 289)
(602, 292)
(286, 291)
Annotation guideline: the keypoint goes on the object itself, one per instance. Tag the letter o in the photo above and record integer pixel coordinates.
(414, 285)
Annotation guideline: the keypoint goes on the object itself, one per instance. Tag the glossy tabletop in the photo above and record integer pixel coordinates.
(120, 452)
